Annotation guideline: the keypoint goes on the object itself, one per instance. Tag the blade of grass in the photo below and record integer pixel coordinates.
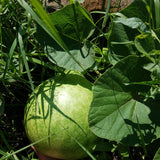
(24, 148)
(14, 44)
(3, 153)
(106, 14)
(142, 137)
(119, 5)
(15, 157)
(47, 21)
(87, 151)
(40, 62)
(26, 64)
(84, 13)
(1, 35)
(5, 140)
(157, 13)
(24, 59)
(155, 36)
(149, 9)
(28, 146)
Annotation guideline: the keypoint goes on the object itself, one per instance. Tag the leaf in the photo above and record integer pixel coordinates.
(74, 28)
(157, 155)
(147, 44)
(118, 112)
(144, 43)
(133, 23)
(156, 36)
(46, 23)
(137, 9)
(148, 11)
(124, 31)
(21, 45)
(84, 54)
(157, 13)
(10, 55)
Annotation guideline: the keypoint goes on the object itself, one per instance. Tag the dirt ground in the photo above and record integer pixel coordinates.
(90, 5)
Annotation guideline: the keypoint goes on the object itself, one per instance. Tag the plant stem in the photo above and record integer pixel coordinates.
(106, 14)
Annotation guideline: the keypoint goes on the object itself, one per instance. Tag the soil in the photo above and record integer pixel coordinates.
(89, 5)
(92, 5)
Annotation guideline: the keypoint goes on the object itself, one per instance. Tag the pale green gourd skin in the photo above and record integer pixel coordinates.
(72, 95)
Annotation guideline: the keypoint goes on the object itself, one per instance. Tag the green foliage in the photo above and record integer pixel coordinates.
(130, 34)
(121, 114)
(157, 155)
(74, 28)
(118, 52)
(126, 95)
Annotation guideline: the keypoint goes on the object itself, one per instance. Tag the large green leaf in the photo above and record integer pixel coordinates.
(137, 9)
(75, 26)
(117, 111)
(147, 10)
(84, 54)
(157, 155)
(157, 13)
(123, 33)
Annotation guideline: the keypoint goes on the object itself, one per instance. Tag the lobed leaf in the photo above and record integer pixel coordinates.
(74, 28)
(118, 112)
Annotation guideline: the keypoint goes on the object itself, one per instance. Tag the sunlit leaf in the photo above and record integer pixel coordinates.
(118, 112)
(74, 28)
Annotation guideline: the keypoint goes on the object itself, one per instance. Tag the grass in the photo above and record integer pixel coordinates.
(18, 56)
